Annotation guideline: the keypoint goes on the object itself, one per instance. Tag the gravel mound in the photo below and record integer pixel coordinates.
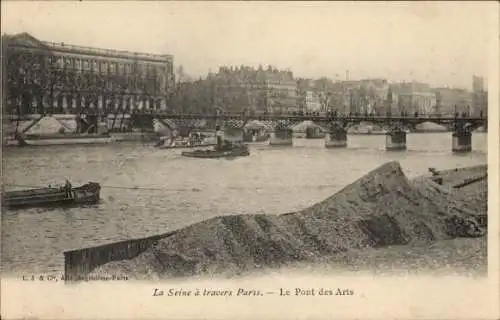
(381, 209)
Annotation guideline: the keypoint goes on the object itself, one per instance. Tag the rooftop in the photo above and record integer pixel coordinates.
(25, 39)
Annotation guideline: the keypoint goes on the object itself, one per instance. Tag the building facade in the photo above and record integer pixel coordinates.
(244, 88)
(360, 96)
(313, 95)
(452, 100)
(47, 78)
(479, 97)
(414, 97)
(323, 95)
(313, 101)
(373, 93)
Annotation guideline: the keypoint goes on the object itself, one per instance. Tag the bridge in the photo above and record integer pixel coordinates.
(280, 125)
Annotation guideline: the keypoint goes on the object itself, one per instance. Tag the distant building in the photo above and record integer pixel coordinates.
(477, 84)
(47, 77)
(414, 97)
(318, 94)
(374, 92)
(304, 87)
(313, 101)
(452, 100)
(360, 96)
(245, 88)
(479, 96)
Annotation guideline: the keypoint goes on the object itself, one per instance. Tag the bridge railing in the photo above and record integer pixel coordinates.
(310, 116)
(283, 116)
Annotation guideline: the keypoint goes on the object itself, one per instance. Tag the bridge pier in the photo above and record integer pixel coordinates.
(336, 138)
(395, 140)
(233, 135)
(281, 137)
(142, 122)
(461, 141)
(248, 136)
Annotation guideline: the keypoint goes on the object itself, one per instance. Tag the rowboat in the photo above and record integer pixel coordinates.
(88, 193)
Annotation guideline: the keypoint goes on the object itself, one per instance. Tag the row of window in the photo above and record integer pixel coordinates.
(64, 79)
(35, 60)
(419, 101)
(105, 66)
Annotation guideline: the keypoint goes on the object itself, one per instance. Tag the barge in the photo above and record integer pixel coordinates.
(65, 139)
(88, 193)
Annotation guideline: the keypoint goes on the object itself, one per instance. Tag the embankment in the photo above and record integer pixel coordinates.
(383, 208)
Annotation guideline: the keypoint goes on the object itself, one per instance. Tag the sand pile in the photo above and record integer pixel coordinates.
(382, 208)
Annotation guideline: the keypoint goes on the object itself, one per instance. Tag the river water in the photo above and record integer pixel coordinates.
(148, 191)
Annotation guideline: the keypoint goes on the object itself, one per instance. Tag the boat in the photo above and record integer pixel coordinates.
(65, 139)
(225, 149)
(236, 152)
(133, 136)
(88, 193)
(253, 135)
(186, 146)
(183, 143)
(367, 133)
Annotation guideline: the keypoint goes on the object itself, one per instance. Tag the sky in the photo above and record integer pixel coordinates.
(440, 43)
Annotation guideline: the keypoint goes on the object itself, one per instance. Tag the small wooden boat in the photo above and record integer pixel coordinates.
(217, 153)
(86, 194)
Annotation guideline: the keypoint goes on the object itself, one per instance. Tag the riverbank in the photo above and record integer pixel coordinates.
(380, 210)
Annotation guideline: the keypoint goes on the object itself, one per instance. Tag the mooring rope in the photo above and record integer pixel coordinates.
(141, 188)
(107, 186)
(138, 188)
